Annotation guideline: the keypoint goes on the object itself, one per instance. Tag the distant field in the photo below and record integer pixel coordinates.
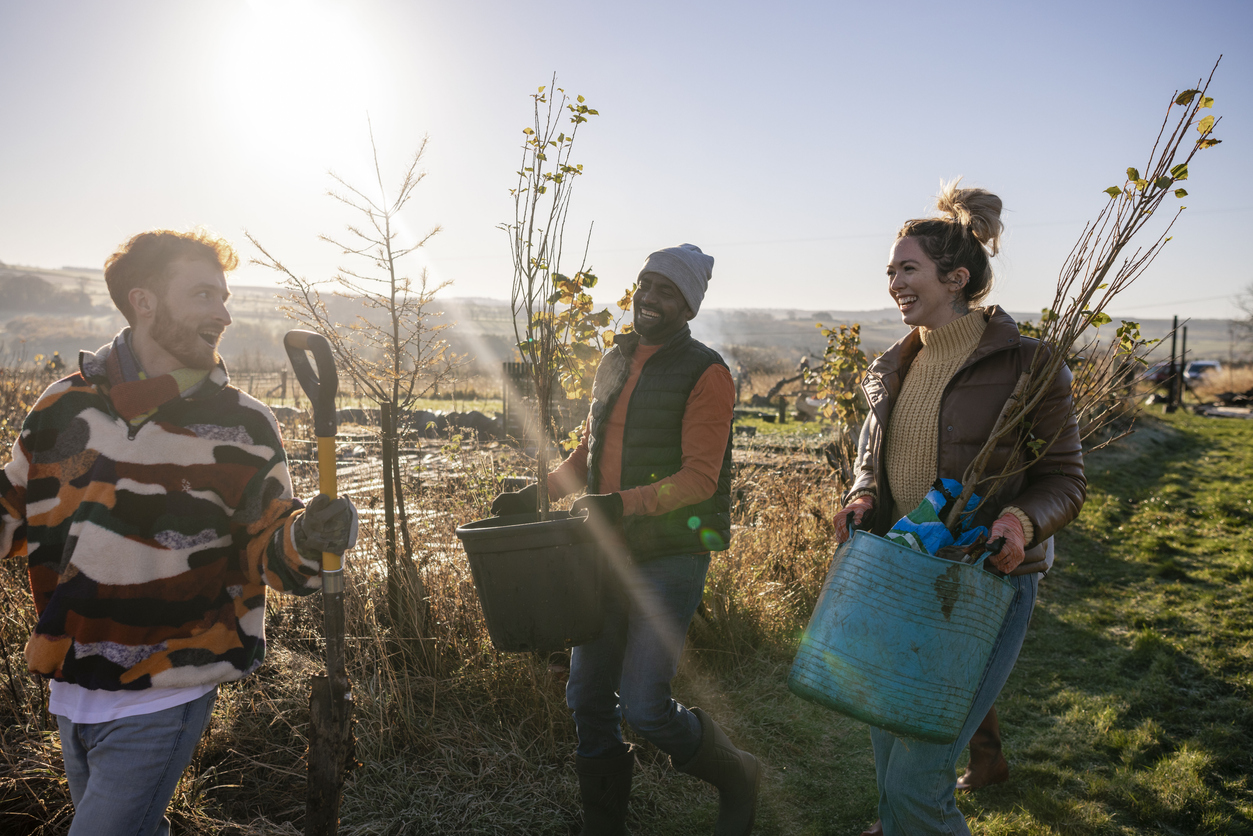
(483, 329)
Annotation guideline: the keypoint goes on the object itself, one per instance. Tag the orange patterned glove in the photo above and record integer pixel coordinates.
(859, 508)
(1014, 550)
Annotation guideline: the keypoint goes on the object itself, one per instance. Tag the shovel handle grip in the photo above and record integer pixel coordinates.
(321, 383)
(328, 484)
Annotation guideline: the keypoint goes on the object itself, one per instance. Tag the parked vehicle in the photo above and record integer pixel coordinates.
(1198, 368)
(1157, 373)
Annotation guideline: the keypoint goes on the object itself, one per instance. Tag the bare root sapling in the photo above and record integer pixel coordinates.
(1099, 267)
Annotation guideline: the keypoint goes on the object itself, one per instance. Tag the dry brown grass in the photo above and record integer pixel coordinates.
(453, 737)
(1229, 379)
(765, 586)
(20, 386)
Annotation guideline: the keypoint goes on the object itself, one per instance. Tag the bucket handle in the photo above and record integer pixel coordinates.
(989, 548)
(851, 524)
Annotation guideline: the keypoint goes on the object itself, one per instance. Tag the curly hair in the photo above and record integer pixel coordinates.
(144, 261)
(966, 235)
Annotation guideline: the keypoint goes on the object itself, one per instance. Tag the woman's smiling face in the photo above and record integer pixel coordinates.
(915, 284)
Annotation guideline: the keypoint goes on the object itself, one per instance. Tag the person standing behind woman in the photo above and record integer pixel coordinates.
(934, 397)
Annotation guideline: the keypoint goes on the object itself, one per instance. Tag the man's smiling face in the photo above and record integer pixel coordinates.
(191, 314)
(660, 309)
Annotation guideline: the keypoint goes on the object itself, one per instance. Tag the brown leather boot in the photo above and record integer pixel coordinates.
(875, 829)
(987, 765)
(605, 787)
(735, 773)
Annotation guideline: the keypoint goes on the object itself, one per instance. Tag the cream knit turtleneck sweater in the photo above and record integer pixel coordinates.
(913, 430)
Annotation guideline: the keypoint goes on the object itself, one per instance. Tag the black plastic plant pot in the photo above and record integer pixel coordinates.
(539, 583)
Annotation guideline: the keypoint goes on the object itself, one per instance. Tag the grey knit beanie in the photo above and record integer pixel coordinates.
(686, 266)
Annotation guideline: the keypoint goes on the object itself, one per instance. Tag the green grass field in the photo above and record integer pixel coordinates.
(1129, 711)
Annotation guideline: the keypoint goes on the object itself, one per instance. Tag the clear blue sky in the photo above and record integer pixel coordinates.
(789, 140)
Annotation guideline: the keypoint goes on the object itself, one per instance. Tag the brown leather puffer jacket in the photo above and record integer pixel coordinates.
(1050, 491)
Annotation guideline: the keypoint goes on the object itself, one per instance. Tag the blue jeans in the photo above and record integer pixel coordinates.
(625, 673)
(917, 780)
(123, 773)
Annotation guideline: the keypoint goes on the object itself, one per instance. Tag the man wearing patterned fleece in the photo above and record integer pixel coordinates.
(153, 503)
(655, 458)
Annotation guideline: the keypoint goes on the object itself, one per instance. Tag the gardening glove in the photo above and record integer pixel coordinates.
(525, 501)
(327, 525)
(858, 508)
(605, 508)
(1015, 546)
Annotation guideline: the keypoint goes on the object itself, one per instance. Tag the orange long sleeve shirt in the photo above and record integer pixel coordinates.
(706, 427)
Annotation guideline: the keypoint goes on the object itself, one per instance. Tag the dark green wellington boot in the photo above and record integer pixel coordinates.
(735, 773)
(605, 787)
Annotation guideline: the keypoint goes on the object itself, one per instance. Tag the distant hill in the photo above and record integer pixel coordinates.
(795, 330)
(42, 310)
(22, 291)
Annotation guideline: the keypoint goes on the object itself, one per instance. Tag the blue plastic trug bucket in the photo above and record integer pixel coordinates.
(900, 639)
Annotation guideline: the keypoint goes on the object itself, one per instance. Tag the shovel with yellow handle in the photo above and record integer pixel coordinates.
(330, 703)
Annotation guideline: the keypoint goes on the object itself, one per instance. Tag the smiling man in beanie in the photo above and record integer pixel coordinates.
(153, 504)
(655, 459)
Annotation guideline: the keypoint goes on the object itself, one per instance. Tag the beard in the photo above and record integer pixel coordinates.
(183, 341)
(663, 326)
(648, 328)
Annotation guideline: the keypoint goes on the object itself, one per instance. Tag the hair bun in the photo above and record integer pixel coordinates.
(976, 209)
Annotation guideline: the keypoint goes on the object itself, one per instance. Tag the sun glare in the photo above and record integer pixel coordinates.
(297, 80)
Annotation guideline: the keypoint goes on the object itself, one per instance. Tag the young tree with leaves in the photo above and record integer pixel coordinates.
(1095, 272)
(836, 378)
(541, 199)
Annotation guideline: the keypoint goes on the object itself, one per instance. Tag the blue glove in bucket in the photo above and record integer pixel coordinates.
(923, 529)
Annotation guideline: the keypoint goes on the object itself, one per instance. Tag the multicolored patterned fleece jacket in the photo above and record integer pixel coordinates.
(150, 542)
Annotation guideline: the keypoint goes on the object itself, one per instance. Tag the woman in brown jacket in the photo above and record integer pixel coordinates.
(934, 397)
